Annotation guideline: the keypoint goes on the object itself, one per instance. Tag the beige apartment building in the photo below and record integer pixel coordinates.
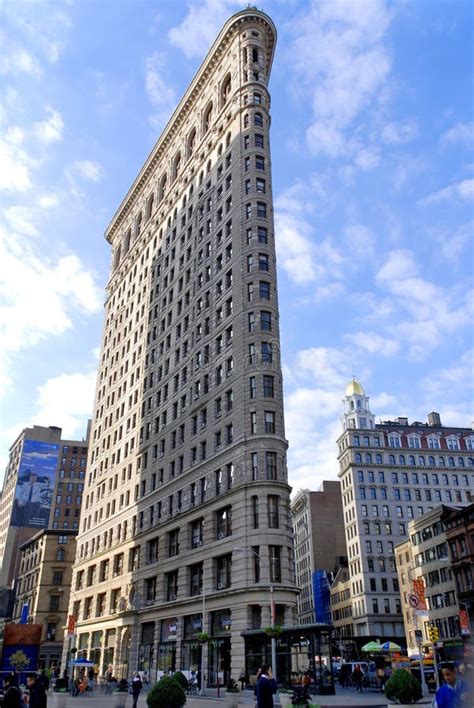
(391, 473)
(186, 521)
(425, 555)
(43, 585)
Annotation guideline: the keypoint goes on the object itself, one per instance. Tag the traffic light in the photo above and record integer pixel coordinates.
(433, 634)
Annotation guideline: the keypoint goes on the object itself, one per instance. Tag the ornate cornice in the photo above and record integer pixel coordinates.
(187, 103)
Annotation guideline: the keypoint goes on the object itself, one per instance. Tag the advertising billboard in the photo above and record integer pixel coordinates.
(35, 485)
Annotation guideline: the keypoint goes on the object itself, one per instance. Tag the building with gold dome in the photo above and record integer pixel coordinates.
(392, 472)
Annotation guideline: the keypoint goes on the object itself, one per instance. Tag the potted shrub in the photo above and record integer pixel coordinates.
(232, 693)
(273, 632)
(167, 693)
(202, 637)
(402, 688)
(181, 679)
(120, 693)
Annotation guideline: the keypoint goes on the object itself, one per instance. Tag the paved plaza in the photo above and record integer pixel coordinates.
(344, 697)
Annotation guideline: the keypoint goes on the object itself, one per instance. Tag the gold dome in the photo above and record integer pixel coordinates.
(354, 388)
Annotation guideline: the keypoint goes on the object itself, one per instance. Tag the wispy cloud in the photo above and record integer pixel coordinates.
(346, 73)
(66, 400)
(161, 94)
(51, 129)
(458, 191)
(198, 29)
(89, 169)
(461, 133)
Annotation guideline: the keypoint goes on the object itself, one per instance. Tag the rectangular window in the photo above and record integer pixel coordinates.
(223, 572)
(275, 563)
(273, 512)
(264, 290)
(268, 387)
(269, 422)
(259, 142)
(261, 210)
(265, 321)
(223, 523)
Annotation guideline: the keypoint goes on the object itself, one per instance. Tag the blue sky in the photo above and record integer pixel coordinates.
(372, 139)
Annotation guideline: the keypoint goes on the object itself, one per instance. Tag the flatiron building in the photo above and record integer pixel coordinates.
(186, 523)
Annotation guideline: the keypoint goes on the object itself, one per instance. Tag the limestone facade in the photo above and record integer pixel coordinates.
(186, 517)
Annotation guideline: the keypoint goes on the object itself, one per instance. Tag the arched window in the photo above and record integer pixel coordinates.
(431, 461)
(358, 458)
(421, 461)
(378, 459)
(255, 54)
(60, 554)
(352, 405)
(368, 458)
(226, 88)
(227, 140)
(391, 459)
(206, 123)
(162, 189)
(411, 460)
(441, 461)
(191, 143)
(138, 225)
(149, 206)
(176, 164)
(258, 120)
(470, 461)
(246, 120)
(450, 461)
(117, 255)
(126, 242)
(401, 459)
(461, 461)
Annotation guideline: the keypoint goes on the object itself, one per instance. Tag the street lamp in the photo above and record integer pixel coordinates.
(272, 610)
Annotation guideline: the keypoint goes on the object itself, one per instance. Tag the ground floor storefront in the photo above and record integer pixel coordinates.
(300, 650)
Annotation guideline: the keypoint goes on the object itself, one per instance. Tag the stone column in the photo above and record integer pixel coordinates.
(134, 646)
(156, 643)
(239, 623)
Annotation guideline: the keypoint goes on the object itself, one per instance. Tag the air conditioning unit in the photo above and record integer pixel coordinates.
(220, 586)
(197, 544)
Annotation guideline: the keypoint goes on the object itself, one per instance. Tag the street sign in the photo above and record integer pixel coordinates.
(413, 601)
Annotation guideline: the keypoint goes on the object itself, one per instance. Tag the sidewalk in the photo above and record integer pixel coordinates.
(344, 697)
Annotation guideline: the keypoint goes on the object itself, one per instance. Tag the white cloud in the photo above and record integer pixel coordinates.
(16, 60)
(47, 201)
(399, 133)
(195, 34)
(51, 129)
(21, 219)
(161, 94)
(14, 167)
(347, 73)
(422, 314)
(461, 133)
(39, 296)
(89, 169)
(374, 343)
(459, 191)
(294, 234)
(66, 400)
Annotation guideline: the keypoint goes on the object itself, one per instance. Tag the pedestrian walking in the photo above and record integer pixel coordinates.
(136, 688)
(38, 698)
(357, 678)
(266, 687)
(12, 694)
(455, 692)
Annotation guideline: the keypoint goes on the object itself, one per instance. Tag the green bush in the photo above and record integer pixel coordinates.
(181, 679)
(403, 687)
(167, 693)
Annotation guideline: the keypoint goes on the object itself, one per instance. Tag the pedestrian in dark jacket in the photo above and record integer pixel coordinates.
(136, 688)
(37, 691)
(42, 678)
(266, 687)
(357, 677)
(12, 695)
